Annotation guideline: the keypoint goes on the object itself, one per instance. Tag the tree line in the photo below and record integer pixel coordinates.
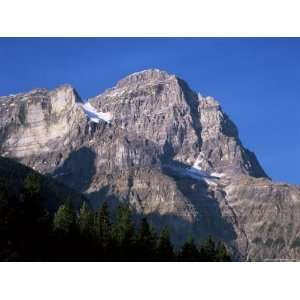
(28, 232)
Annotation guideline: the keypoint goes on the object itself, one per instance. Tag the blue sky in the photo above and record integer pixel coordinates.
(257, 81)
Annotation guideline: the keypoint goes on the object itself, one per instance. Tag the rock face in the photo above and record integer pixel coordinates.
(39, 127)
(173, 154)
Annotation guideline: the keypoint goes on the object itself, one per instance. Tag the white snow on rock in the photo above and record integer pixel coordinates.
(197, 173)
(196, 170)
(219, 175)
(93, 114)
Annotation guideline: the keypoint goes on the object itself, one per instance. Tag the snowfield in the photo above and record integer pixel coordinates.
(195, 172)
(93, 114)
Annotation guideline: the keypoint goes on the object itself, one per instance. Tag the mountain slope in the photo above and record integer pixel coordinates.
(14, 174)
(173, 154)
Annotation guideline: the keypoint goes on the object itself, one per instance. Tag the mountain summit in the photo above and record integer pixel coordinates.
(173, 154)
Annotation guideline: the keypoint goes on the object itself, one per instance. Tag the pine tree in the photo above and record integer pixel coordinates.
(64, 219)
(32, 219)
(221, 253)
(123, 232)
(189, 251)
(145, 241)
(165, 251)
(85, 220)
(208, 250)
(103, 225)
(32, 205)
(7, 215)
(32, 184)
(4, 197)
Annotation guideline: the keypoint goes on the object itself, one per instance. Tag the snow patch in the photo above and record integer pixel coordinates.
(197, 173)
(195, 170)
(219, 175)
(93, 114)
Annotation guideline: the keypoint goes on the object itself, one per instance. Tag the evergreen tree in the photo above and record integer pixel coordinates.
(103, 225)
(208, 250)
(32, 185)
(33, 204)
(189, 251)
(7, 217)
(64, 219)
(123, 232)
(145, 241)
(165, 251)
(85, 220)
(3, 203)
(32, 219)
(221, 253)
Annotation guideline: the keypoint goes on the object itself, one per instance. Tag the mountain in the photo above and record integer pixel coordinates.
(172, 153)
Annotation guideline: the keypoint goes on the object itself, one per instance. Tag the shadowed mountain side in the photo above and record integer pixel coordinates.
(185, 205)
(55, 193)
(77, 170)
(213, 217)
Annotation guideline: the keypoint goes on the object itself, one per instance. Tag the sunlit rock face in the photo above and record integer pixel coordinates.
(172, 154)
(161, 108)
(39, 127)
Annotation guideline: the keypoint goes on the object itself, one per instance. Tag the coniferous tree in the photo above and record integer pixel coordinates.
(3, 203)
(32, 205)
(85, 220)
(208, 250)
(221, 253)
(32, 224)
(189, 251)
(64, 219)
(145, 241)
(32, 185)
(66, 244)
(7, 220)
(103, 225)
(123, 232)
(165, 251)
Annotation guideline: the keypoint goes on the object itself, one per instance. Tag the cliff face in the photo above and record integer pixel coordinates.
(153, 105)
(39, 127)
(174, 155)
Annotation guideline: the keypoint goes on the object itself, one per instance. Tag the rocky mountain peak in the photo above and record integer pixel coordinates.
(158, 107)
(143, 77)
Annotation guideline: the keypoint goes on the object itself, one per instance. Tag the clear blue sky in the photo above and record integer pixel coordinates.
(257, 81)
